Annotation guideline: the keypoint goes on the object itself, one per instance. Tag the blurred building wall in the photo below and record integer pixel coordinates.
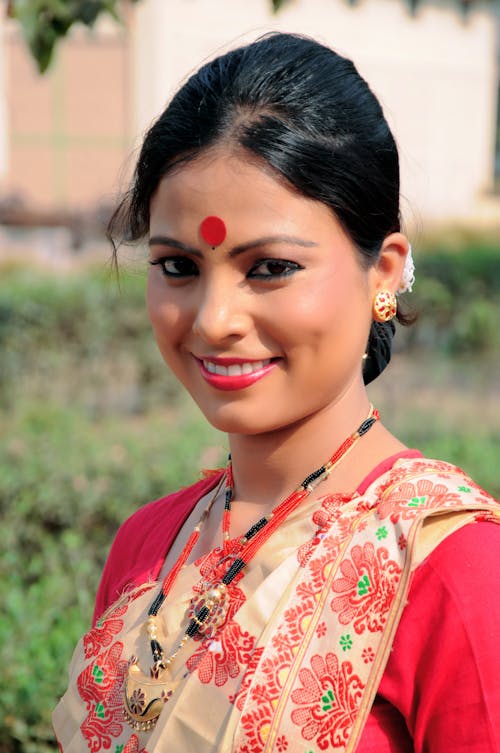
(68, 131)
(436, 75)
(68, 135)
(3, 116)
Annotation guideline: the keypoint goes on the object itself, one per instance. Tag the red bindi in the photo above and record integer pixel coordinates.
(213, 231)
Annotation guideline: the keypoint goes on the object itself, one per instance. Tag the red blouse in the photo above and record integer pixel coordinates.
(440, 692)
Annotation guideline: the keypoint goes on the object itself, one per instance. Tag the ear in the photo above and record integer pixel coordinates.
(387, 271)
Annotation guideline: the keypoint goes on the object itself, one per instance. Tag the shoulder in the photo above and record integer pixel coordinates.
(444, 669)
(423, 485)
(443, 673)
(416, 468)
(150, 519)
(143, 540)
(462, 573)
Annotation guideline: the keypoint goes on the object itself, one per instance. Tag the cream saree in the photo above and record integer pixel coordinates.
(297, 664)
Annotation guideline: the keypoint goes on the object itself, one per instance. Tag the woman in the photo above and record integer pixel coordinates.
(326, 590)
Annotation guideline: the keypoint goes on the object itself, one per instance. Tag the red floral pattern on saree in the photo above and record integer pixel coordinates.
(218, 660)
(100, 687)
(282, 744)
(367, 586)
(418, 467)
(240, 697)
(256, 726)
(319, 569)
(400, 495)
(102, 635)
(133, 746)
(274, 669)
(331, 509)
(297, 619)
(327, 517)
(327, 701)
(407, 497)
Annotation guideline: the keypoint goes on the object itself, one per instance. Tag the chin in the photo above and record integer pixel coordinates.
(234, 420)
(238, 425)
(247, 420)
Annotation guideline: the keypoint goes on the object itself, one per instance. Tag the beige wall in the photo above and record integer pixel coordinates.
(435, 74)
(3, 116)
(68, 131)
(66, 138)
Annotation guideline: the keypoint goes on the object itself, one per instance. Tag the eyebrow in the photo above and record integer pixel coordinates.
(268, 240)
(164, 240)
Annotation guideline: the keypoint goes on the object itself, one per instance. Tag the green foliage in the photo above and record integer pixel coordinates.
(457, 295)
(447, 408)
(277, 4)
(476, 327)
(66, 483)
(45, 22)
(88, 339)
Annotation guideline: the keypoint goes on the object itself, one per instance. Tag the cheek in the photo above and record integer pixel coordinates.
(321, 309)
(330, 318)
(165, 314)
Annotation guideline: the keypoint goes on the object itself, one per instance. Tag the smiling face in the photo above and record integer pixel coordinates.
(269, 328)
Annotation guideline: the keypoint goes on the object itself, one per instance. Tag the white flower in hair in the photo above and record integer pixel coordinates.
(408, 276)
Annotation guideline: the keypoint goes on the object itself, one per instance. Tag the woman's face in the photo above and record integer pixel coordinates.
(268, 328)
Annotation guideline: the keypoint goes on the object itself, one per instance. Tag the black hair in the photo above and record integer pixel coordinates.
(302, 109)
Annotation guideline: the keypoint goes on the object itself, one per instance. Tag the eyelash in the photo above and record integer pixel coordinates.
(287, 268)
(176, 260)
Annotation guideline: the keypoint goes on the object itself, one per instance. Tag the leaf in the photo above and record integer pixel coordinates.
(45, 22)
(277, 4)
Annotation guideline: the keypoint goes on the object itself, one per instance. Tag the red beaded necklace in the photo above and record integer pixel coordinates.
(144, 696)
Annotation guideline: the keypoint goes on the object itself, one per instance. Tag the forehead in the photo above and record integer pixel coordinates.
(239, 190)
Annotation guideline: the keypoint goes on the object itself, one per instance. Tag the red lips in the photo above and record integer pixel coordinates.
(234, 373)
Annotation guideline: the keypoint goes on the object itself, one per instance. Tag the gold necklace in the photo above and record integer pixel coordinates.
(145, 696)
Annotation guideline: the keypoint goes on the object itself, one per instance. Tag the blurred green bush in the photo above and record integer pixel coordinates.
(58, 329)
(66, 483)
(457, 296)
(93, 425)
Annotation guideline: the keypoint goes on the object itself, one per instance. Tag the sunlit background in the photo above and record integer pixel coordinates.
(91, 423)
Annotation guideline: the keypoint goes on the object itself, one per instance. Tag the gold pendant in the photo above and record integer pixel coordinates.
(144, 697)
(216, 600)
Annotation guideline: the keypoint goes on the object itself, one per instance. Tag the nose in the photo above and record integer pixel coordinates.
(222, 311)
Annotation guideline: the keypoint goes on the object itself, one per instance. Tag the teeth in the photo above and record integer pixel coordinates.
(235, 369)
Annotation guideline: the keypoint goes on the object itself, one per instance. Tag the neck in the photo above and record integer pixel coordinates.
(267, 467)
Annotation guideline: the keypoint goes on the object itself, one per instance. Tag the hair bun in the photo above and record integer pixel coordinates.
(378, 351)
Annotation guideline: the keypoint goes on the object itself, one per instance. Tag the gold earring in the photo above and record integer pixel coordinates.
(384, 306)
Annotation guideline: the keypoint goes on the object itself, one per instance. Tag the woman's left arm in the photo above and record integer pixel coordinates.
(444, 671)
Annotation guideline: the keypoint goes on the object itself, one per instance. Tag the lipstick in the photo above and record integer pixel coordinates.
(234, 373)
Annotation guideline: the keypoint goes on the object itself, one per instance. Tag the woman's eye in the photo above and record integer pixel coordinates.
(273, 268)
(176, 266)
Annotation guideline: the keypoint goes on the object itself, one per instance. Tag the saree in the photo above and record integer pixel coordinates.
(296, 665)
